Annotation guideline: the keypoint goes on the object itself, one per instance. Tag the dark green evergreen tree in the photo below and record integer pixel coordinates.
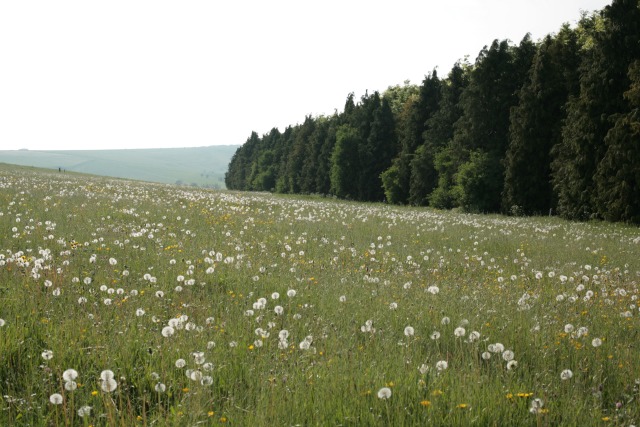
(345, 162)
(396, 180)
(618, 174)
(439, 131)
(610, 47)
(380, 148)
(323, 173)
(536, 124)
(484, 127)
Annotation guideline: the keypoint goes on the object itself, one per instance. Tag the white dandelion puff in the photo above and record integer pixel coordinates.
(108, 385)
(384, 393)
(70, 375)
(566, 374)
(84, 411)
(459, 332)
(56, 399)
(508, 355)
(442, 365)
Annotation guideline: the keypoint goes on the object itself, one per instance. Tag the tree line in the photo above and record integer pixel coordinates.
(535, 128)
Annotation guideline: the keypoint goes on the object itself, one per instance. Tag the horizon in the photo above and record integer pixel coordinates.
(120, 149)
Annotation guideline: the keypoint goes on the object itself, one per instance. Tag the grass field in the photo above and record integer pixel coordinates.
(194, 166)
(128, 304)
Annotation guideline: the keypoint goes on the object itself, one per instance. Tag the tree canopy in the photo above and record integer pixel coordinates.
(551, 126)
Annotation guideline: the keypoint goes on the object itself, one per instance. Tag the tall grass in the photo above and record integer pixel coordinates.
(98, 271)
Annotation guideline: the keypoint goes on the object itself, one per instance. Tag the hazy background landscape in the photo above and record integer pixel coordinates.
(193, 166)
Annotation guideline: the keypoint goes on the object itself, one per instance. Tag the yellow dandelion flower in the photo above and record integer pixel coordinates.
(425, 403)
(210, 413)
(94, 393)
(462, 406)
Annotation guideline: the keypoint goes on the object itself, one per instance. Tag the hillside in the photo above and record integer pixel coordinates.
(128, 303)
(201, 166)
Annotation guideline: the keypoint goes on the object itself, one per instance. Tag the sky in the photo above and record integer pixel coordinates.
(118, 74)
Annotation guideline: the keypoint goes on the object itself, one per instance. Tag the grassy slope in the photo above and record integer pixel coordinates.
(207, 257)
(204, 166)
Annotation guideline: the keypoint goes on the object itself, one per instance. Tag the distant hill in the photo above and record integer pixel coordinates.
(201, 166)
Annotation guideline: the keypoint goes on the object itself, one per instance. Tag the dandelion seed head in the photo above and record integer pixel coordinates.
(56, 399)
(108, 385)
(384, 393)
(70, 375)
(508, 355)
(433, 290)
(442, 365)
(566, 374)
(84, 411)
(106, 375)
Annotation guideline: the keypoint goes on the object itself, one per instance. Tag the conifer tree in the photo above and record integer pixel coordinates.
(536, 124)
(609, 48)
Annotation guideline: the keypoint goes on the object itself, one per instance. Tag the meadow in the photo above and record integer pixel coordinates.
(127, 303)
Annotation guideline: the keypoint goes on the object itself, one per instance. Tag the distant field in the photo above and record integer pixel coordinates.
(139, 304)
(201, 166)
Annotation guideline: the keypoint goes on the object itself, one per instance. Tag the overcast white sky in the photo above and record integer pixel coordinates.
(154, 73)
